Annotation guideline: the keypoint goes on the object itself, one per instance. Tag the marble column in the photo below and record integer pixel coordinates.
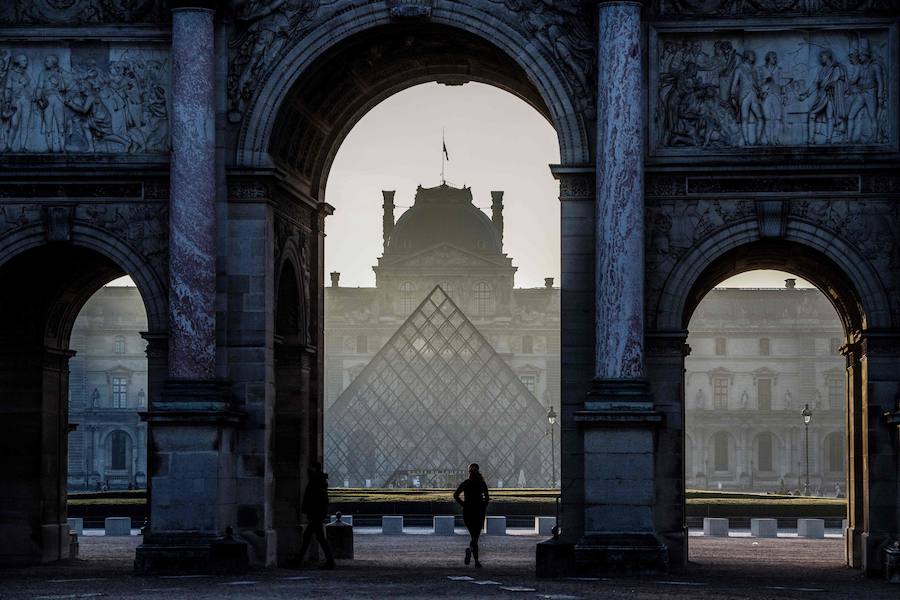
(618, 419)
(620, 194)
(192, 225)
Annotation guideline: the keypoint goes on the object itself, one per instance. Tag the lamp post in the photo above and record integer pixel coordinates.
(807, 417)
(551, 421)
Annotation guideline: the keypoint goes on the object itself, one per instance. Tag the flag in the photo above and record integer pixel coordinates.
(447, 156)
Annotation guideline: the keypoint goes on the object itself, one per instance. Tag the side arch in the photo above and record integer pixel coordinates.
(845, 277)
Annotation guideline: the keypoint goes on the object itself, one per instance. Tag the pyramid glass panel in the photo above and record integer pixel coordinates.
(436, 397)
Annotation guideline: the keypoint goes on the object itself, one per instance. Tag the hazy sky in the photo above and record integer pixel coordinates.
(495, 142)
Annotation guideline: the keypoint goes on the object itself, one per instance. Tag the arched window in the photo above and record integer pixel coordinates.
(765, 347)
(765, 452)
(721, 460)
(118, 450)
(484, 299)
(407, 297)
(834, 446)
(119, 344)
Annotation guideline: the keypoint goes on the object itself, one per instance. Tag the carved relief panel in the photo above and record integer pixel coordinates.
(739, 90)
(82, 12)
(84, 98)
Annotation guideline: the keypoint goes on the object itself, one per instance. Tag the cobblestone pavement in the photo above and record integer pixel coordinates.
(414, 566)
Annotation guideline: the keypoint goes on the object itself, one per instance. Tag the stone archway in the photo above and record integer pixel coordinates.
(859, 300)
(45, 287)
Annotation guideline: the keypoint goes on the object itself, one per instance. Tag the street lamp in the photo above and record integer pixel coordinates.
(807, 417)
(551, 420)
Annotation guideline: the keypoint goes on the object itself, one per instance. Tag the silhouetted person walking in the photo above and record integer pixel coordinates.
(315, 507)
(474, 501)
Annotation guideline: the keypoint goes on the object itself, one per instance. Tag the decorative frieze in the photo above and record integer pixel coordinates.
(738, 89)
(82, 12)
(84, 98)
(737, 8)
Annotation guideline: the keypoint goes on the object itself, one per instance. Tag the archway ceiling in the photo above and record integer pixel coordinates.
(330, 98)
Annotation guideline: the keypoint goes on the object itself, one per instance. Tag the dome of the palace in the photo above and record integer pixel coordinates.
(444, 215)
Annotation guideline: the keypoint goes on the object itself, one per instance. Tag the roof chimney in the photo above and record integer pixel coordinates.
(548, 282)
(790, 283)
(497, 213)
(335, 279)
(387, 222)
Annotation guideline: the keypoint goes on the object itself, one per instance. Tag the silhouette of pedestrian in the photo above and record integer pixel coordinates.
(474, 501)
(315, 507)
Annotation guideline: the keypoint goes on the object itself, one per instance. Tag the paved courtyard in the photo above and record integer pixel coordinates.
(420, 566)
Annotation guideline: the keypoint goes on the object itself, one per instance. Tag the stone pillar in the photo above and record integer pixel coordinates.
(618, 420)
(192, 211)
(191, 425)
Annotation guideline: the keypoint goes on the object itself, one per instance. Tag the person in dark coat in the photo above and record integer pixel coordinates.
(472, 495)
(315, 507)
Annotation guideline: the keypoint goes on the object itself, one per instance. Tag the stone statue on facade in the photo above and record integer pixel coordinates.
(829, 103)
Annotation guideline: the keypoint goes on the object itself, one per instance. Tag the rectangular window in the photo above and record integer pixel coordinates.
(527, 344)
(834, 346)
(720, 346)
(765, 347)
(835, 392)
(720, 392)
(764, 393)
(362, 344)
(119, 344)
(119, 392)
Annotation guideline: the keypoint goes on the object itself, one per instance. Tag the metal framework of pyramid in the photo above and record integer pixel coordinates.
(436, 397)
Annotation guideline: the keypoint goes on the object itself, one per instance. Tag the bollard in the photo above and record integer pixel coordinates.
(444, 525)
(764, 528)
(76, 524)
(340, 537)
(544, 525)
(392, 525)
(892, 563)
(811, 528)
(117, 526)
(73, 545)
(715, 527)
(495, 525)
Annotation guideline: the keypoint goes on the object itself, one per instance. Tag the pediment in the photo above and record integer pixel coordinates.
(442, 255)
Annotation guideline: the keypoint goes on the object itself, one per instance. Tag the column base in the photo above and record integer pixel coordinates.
(621, 554)
(185, 554)
(873, 546)
(555, 558)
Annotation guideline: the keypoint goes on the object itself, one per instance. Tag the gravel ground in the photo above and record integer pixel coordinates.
(415, 566)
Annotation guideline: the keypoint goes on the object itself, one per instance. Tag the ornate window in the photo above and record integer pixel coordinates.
(720, 346)
(119, 392)
(835, 385)
(720, 392)
(764, 393)
(407, 297)
(765, 347)
(721, 460)
(119, 344)
(527, 344)
(484, 299)
(118, 450)
(765, 451)
(530, 382)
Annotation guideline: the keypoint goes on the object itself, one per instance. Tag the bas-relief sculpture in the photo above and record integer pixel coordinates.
(757, 7)
(721, 91)
(264, 29)
(84, 98)
(81, 12)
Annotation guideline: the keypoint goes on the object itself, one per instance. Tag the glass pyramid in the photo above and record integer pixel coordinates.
(436, 397)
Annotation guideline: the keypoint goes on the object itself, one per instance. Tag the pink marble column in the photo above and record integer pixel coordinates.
(620, 194)
(192, 251)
